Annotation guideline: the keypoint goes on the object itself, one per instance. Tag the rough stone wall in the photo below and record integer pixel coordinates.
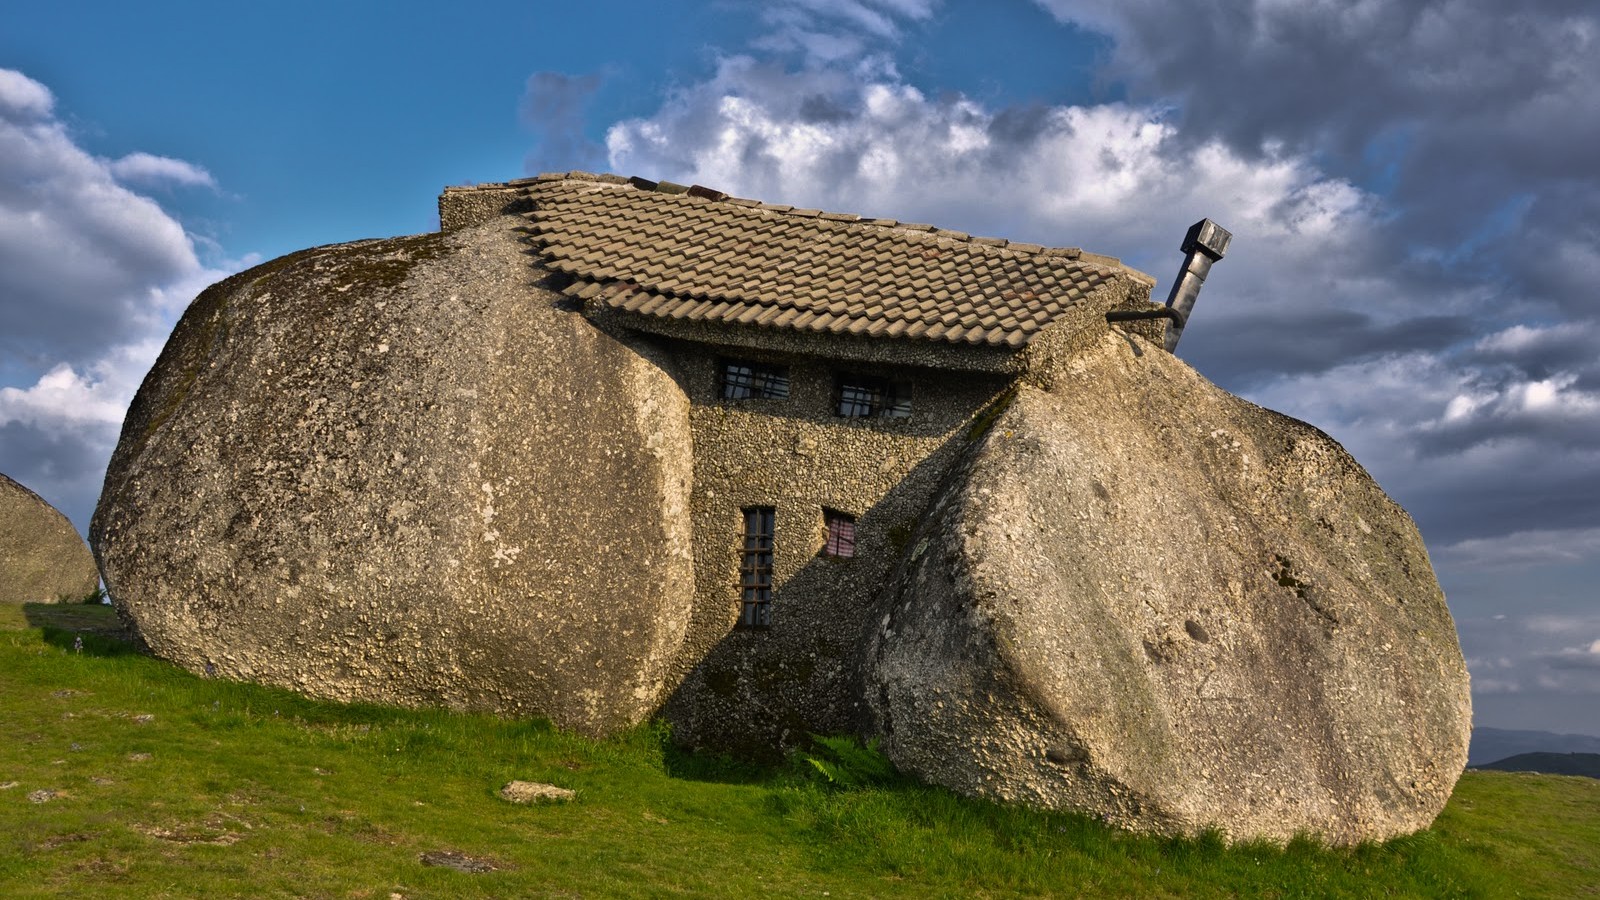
(464, 207)
(758, 690)
(400, 471)
(42, 557)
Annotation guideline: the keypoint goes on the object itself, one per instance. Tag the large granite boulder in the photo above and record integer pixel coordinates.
(43, 559)
(1146, 598)
(403, 471)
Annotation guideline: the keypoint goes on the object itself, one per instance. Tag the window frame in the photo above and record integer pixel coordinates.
(839, 534)
(765, 381)
(880, 396)
(756, 563)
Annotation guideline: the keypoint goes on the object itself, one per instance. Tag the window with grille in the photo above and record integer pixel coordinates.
(841, 540)
(743, 380)
(862, 396)
(755, 568)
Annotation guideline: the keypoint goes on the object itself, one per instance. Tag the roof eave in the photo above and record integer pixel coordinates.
(877, 350)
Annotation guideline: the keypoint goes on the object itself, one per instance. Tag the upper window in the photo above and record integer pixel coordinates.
(841, 540)
(861, 396)
(742, 380)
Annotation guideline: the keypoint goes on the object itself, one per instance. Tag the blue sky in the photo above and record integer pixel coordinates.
(1412, 186)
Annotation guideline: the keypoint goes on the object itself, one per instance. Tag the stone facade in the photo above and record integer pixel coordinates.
(757, 690)
(761, 690)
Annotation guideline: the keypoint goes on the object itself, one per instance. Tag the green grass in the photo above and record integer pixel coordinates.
(171, 785)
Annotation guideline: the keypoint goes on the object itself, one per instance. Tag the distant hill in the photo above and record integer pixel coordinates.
(1586, 764)
(1493, 744)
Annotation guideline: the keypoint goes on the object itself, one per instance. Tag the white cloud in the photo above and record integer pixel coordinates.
(1525, 549)
(92, 277)
(143, 168)
(828, 32)
(23, 98)
(1566, 626)
(84, 261)
(64, 398)
(1113, 175)
(1521, 338)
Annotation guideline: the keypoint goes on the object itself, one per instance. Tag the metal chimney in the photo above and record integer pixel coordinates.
(1205, 243)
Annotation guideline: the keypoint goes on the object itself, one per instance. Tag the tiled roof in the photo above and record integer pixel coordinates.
(697, 255)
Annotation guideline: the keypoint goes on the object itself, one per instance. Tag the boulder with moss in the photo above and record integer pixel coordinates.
(401, 471)
(1143, 597)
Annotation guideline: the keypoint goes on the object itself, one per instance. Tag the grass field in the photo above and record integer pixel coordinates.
(121, 775)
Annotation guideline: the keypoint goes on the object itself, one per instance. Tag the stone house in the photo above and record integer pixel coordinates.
(603, 448)
(836, 368)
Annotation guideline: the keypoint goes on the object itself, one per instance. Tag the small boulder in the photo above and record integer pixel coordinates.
(1150, 600)
(43, 559)
(535, 792)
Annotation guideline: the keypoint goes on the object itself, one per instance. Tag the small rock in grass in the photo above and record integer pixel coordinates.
(144, 718)
(454, 859)
(8, 785)
(138, 757)
(535, 792)
(42, 796)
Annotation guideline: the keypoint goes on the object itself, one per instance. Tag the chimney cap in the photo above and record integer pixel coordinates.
(1208, 237)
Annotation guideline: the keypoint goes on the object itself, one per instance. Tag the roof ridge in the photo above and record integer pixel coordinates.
(986, 244)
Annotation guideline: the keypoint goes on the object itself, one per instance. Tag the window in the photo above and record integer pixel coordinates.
(753, 381)
(755, 569)
(861, 396)
(841, 540)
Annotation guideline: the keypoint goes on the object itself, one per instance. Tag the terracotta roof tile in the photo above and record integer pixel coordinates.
(697, 254)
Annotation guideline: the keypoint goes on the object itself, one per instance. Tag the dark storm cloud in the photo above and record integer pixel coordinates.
(1528, 494)
(1476, 116)
(65, 468)
(1239, 348)
(817, 108)
(1512, 653)
(1468, 375)
(1340, 77)
(1543, 351)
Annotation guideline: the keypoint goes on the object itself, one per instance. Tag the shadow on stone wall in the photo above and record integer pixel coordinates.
(759, 693)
